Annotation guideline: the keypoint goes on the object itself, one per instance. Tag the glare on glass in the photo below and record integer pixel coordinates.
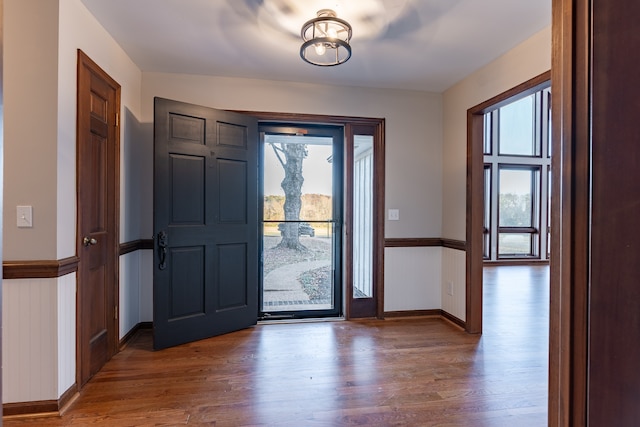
(516, 129)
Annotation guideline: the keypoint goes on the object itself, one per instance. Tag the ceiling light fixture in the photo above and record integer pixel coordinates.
(326, 40)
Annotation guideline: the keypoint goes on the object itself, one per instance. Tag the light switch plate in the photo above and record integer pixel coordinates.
(25, 216)
(394, 215)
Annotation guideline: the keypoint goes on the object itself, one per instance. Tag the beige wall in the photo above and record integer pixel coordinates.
(41, 38)
(527, 60)
(30, 86)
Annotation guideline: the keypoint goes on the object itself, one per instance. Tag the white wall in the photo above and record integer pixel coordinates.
(413, 156)
(454, 282)
(38, 339)
(412, 278)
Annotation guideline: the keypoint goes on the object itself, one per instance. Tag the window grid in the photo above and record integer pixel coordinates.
(537, 162)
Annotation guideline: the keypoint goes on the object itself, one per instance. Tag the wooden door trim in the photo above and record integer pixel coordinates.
(366, 307)
(86, 65)
(475, 194)
(571, 57)
(349, 122)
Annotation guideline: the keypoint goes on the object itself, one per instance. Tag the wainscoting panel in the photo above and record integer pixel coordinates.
(66, 333)
(453, 281)
(29, 340)
(412, 278)
(146, 286)
(129, 296)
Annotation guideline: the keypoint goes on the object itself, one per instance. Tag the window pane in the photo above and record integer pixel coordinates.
(515, 196)
(363, 216)
(487, 133)
(298, 238)
(305, 157)
(549, 129)
(516, 130)
(514, 244)
(487, 211)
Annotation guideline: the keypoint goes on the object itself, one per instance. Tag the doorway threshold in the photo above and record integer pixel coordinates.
(280, 319)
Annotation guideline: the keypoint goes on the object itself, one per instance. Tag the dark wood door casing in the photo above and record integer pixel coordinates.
(613, 320)
(365, 307)
(98, 154)
(475, 193)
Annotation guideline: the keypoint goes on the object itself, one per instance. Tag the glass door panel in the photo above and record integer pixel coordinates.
(300, 272)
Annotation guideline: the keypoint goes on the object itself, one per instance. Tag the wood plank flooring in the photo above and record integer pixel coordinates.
(401, 372)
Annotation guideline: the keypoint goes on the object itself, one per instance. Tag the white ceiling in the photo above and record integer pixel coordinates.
(427, 45)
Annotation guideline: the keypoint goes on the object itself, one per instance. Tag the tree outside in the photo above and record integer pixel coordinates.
(291, 157)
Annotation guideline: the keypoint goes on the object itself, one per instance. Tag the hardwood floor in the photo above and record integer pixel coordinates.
(401, 372)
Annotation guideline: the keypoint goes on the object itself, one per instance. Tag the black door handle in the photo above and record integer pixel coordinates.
(162, 249)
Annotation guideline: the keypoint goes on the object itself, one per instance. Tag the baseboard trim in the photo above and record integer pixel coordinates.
(426, 313)
(453, 319)
(411, 313)
(515, 262)
(41, 408)
(125, 340)
(425, 242)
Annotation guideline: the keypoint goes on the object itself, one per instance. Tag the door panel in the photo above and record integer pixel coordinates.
(97, 247)
(205, 222)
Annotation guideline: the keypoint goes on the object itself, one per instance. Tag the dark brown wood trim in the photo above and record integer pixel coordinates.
(570, 212)
(524, 89)
(378, 213)
(453, 319)
(454, 244)
(417, 242)
(40, 407)
(140, 326)
(266, 116)
(135, 245)
(412, 242)
(43, 269)
(426, 313)
(412, 313)
(474, 223)
(514, 262)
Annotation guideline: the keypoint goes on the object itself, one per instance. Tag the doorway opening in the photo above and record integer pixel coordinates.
(302, 217)
(478, 212)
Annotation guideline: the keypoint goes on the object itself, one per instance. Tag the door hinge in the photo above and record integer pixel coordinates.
(115, 313)
(117, 119)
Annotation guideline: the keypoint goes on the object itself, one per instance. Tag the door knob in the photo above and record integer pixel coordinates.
(89, 241)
